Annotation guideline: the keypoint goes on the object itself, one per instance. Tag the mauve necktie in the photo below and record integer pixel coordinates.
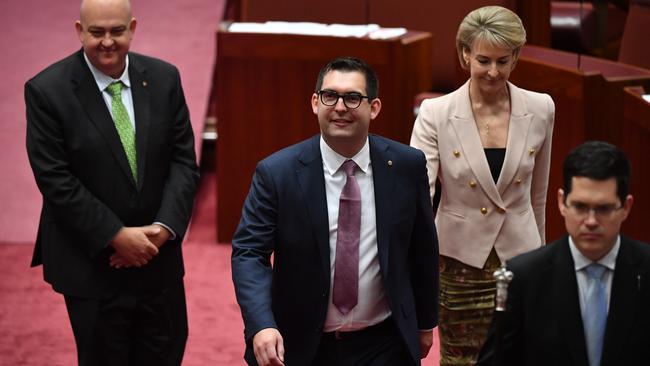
(123, 125)
(346, 266)
(594, 318)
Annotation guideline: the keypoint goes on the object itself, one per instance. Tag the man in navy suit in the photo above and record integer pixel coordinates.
(583, 300)
(116, 200)
(297, 210)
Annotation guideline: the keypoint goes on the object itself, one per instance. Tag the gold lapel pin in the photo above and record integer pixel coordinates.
(390, 163)
(531, 151)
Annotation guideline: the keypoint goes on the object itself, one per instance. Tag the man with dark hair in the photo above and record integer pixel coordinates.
(348, 220)
(584, 299)
(111, 145)
(349, 64)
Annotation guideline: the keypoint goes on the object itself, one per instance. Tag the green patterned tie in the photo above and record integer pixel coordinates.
(123, 126)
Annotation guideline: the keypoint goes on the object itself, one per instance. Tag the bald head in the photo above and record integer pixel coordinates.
(92, 6)
(105, 30)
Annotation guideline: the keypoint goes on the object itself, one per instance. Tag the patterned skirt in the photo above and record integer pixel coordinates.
(466, 307)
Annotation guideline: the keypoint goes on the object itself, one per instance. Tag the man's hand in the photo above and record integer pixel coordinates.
(133, 247)
(268, 347)
(426, 340)
(158, 234)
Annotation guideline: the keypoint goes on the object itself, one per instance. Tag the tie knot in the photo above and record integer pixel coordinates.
(595, 271)
(349, 167)
(115, 89)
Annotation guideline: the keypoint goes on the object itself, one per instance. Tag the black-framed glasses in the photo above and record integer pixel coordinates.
(600, 211)
(351, 100)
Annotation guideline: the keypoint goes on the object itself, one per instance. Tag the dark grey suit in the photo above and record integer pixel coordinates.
(83, 174)
(543, 326)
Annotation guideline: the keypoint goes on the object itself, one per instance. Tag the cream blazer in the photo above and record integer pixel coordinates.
(475, 214)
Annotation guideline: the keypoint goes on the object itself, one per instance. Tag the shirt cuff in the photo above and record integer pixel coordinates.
(173, 234)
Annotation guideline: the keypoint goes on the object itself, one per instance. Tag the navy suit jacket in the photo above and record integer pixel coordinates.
(285, 214)
(83, 174)
(542, 324)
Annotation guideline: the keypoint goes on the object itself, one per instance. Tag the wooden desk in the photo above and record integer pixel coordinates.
(588, 105)
(636, 143)
(264, 85)
(440, 19)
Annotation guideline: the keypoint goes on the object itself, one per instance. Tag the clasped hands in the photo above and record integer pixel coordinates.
(136, 246)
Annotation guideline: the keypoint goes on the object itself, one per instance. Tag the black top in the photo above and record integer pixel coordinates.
(495, 157)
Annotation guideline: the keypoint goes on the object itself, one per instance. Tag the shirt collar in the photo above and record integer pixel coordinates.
(333, 160)
(608, 261)
(103, 80)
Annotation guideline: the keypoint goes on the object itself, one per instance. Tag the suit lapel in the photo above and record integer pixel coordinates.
(622, 304)
(470, 141)
(312, 185)
(384, 182)
(567, 303)
(518, 128)
(93, 103)
(141, 108)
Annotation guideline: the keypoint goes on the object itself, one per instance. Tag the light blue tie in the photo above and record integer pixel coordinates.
(594, 317)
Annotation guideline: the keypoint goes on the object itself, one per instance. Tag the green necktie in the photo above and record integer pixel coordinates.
(123, 126)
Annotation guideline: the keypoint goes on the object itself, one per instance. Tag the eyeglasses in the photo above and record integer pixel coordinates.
(351, 100)
(583, 210)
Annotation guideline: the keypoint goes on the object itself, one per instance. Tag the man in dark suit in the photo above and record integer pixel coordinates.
(584, 299)
(348, 219)
(112, 150)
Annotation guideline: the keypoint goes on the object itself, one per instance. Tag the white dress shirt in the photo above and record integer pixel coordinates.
(372, 307)
(581, 262)
(103, 81)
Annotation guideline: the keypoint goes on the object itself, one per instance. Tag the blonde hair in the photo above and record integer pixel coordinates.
(496, 25)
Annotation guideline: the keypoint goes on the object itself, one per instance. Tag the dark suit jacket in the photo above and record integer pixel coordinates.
(285, 213)
(82, 171)
(542, 324)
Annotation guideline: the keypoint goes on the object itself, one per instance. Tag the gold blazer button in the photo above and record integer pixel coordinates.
(518, 181)
(456, 153)
(501, 210)
(472, 183)
(531, 151)
(483, 210)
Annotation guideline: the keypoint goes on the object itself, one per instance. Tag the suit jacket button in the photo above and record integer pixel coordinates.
(531, 151)
(484, 210)
(501, 210)
(456, 153)
(518, 181)
(472, 183)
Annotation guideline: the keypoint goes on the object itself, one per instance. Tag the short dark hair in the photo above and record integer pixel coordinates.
(349, 64)
(598, 160)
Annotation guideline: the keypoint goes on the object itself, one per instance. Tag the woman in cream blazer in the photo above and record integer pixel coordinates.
(481, 220)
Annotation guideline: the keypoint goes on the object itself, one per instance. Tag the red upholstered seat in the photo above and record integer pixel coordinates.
(635, 48)
(572, 32)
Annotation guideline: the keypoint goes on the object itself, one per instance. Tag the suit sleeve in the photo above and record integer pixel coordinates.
(74, 206)
(178, 195)
(425, 138)
(424, 254)
(539, 185)
(252, 246)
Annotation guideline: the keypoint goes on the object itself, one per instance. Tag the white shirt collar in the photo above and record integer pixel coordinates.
(608, 261)
(333, 160)
(104, 80)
